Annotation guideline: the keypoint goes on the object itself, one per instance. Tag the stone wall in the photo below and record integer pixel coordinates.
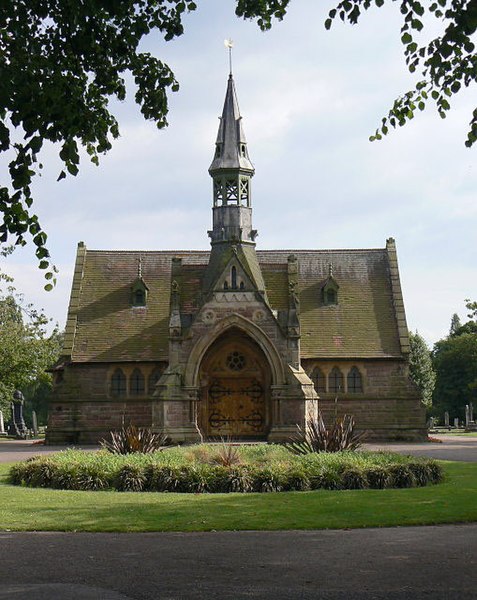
(82, 409)
(389, 407)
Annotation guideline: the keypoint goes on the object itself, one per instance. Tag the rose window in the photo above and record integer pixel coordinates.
(235, 361)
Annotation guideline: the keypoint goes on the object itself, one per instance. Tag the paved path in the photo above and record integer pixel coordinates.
(452, 448)
(413, 563)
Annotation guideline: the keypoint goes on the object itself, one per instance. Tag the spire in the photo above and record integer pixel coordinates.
(231, 145)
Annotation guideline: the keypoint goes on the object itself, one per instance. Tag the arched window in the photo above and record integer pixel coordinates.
(118, 383)
(355, 381)
(153, 379)
(242, 285)
(319, 379)
(335, 381)
(137, 385)
(234, 278)
(331, 296)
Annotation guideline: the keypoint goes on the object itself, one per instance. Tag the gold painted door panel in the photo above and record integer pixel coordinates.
(236, 407)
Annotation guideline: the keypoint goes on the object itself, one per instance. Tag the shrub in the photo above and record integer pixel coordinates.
(226, 454)
(131, 478)
(176, 470)
(131, 439)
(317, 437)
(354, 478)
(402, 476)
(378, 478)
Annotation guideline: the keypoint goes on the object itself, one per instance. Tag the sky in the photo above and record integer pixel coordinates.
(309, 99)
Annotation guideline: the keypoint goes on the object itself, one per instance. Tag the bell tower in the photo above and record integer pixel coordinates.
(231, 172)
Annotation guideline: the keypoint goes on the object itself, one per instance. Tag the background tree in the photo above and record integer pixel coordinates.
(455, 362)
(26, 350)
(445, 65)
(420, 367)
(455, 324)
(61, 62)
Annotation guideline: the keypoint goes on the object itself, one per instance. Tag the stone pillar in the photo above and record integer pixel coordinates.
(2, 424)
(446, 419)
(17, 426)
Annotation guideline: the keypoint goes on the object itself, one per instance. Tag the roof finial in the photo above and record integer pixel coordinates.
(330, 269)
(229, 43)
(139, 268)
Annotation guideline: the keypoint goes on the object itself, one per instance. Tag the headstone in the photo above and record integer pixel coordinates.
(456, 423)
(446, 419)
(471, 412)
(431, 422)
(467, 415)
(2, 424)
(34, 423)
(17, 425)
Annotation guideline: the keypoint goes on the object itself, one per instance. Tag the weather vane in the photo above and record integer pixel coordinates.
(229, 44)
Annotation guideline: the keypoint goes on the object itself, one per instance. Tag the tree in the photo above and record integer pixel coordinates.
(455, 362)
(455, 325)
(445, 65)
(420, 367)
(25, 348)
(471, 326)
(61, 62)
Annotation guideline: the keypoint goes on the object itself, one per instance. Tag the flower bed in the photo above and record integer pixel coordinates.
(220, 469)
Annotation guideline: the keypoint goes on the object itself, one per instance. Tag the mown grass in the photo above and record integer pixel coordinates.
(28, 509)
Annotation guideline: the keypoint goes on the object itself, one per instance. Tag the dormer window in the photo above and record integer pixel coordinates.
(139, 293)
(242, 149)
(330, 289)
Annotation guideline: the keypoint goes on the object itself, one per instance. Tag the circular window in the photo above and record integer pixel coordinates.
(235, 361)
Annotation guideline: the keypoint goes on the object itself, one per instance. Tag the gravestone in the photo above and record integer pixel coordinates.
(431, 423)
(34, 421)
(446, 419)
(470, 424)
(456, 423)
(17, 424)
(2, 424)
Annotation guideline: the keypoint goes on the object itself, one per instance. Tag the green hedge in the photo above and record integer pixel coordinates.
(266, 469)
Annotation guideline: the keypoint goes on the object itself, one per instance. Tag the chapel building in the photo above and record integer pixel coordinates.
(234, 342)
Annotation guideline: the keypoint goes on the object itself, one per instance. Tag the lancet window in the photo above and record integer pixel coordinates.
(137, 385)
(335, 381)
(319, 379)
(355, 381)
(118, 383)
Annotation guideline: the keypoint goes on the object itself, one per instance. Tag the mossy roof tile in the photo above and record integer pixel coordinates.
(108, 328)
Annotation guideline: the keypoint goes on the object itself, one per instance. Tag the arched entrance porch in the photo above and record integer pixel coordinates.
(234, 379)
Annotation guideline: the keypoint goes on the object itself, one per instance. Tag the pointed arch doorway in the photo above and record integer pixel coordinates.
(235, 380)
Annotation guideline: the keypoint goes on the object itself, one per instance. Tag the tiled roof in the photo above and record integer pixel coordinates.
(102, 325)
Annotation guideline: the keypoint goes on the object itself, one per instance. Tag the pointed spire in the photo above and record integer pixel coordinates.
(231, 145)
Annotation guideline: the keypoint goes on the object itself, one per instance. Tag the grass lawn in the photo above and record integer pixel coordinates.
(459, 432)
(29, 509)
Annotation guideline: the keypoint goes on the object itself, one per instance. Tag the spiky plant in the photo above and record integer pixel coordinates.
(317, 437)
(227, 454)
(132, 439)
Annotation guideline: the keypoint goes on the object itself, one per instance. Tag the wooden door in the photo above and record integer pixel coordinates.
(234, 397)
